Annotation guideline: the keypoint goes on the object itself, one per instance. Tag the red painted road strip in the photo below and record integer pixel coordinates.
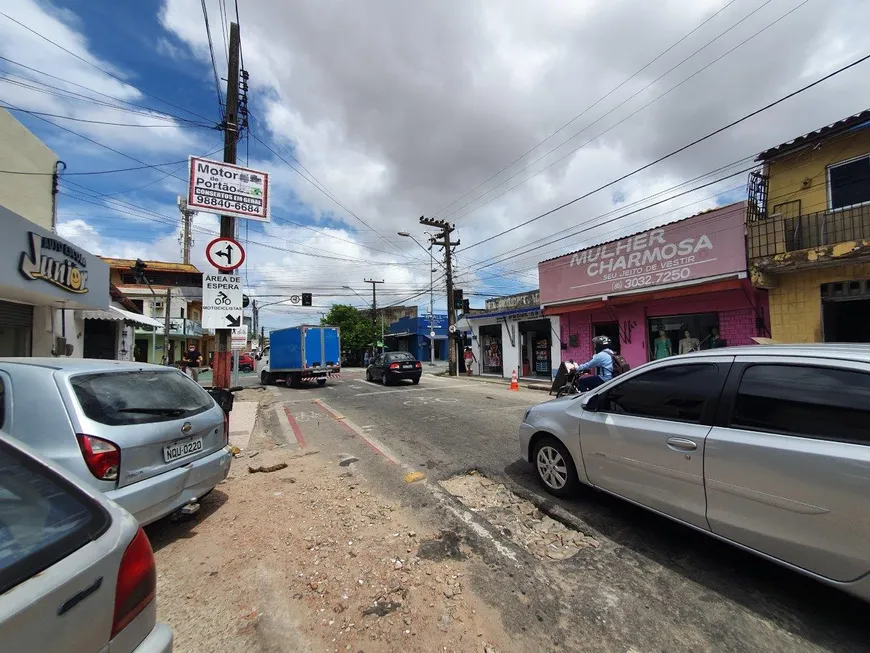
(359, 435)
(300, 439)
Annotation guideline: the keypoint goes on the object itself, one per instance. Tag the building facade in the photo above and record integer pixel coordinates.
(808, 229)
(660, 292)
(513, 335)
(414, 335)
(175, 290)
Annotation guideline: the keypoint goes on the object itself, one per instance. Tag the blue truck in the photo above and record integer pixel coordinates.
(298, 354)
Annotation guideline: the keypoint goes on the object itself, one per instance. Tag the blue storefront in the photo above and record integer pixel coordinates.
(412, 334)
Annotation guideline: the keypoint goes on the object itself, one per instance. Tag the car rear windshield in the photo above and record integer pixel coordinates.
(400, 357)
(43, 517)
(139, 397)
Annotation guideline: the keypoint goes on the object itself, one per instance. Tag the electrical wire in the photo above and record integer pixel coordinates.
(102, 122)
(593, 105)
(102, 70)
(217, 77)
(615, 125)
(673, 153)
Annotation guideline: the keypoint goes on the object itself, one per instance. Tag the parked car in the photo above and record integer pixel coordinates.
(147, 436)
(764, 447)
(76, 571)
(246, 363)
(394, 366)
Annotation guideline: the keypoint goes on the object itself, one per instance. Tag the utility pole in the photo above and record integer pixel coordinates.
(223, 355)
(186, 238)
(444, 241)
(375, 314)
(166, 326)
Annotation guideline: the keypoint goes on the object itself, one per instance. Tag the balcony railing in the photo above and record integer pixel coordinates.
(779, 234)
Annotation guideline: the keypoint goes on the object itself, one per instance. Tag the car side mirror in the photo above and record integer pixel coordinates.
(591, 403)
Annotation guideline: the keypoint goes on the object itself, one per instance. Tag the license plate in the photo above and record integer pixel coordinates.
(181, 449)
(407, 366)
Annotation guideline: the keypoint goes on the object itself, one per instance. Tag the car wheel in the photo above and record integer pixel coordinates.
(369, 376)
(385, 379)
(417, 381)
(555, 467)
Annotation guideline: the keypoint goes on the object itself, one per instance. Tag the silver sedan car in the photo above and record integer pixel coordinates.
(76, 571)
(148, 436)
(767, 448)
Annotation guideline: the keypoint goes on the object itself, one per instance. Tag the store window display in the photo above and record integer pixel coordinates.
(689, 344)
(662, 346)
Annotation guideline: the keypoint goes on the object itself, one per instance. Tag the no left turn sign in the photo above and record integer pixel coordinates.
(225, 253)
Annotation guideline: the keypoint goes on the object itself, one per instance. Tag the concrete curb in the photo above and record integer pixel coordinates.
(477, 379)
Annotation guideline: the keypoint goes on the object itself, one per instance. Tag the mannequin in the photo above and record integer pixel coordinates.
(717, 341)
(688, 343)
(662, 346)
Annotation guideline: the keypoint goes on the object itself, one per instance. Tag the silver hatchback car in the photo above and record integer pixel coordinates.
(765, 447)
(147, 436)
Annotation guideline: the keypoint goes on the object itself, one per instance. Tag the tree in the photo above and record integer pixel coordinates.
(357, 332)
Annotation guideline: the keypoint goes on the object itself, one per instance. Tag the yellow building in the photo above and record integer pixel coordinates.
(808, 233)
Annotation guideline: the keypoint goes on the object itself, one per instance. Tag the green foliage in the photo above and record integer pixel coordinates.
(357, 331)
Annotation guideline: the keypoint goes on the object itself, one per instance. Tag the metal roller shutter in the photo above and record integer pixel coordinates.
(16, 315)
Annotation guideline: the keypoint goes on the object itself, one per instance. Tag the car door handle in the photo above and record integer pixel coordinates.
(681, 444)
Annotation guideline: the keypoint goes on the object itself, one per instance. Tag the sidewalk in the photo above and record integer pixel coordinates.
(524, 383)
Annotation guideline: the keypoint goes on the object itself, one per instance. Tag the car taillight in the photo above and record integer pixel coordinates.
(226, 428)
(419, 365)
(102, 457)
(394, 366)
(137, 582)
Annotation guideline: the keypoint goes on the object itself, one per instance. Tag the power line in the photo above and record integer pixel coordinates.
(590, 107)
(102, 70)
(620, 122)
(678, 150)
(103, 122)
(217, 77)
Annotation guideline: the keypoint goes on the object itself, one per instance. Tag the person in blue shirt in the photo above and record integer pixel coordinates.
(602, 361)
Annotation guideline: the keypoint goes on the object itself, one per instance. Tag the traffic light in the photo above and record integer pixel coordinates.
(466, 305)
(139, 270)
(306, 299)
(457, 299)
(245, 301)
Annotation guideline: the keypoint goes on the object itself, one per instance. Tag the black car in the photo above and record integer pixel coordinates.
(394, 366)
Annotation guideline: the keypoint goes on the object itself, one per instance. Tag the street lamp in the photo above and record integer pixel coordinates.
(431, 292)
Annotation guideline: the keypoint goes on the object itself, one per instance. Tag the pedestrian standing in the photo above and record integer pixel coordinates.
(366, 359)
(192, 360)
(469, 360)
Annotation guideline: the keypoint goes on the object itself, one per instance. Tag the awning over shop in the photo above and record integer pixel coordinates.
(514, 312)
(403, 334)
(119, 315)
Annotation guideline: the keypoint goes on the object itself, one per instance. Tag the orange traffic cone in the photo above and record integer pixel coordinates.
(515, 386)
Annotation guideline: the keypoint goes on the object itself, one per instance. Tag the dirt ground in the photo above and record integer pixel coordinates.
(311, 558)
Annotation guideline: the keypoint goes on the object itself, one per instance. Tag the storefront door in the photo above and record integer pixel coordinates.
(16, 329)
(846, 311)
(536, 340)
(609, 329)
(100, 339)
(491, 349)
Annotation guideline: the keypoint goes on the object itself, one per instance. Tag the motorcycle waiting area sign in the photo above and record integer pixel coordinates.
(221, 301)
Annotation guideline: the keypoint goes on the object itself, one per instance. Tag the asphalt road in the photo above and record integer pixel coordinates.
(652, 585)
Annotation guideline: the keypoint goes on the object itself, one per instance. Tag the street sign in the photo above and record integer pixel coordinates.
(228, 189)
(452, 328)
(239, 339)
(221, 301)
(225, 253)
(255, 344)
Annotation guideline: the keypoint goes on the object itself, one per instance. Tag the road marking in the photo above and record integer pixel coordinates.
(297, 432)
(388, 392)
(425, 401)
(378, 446)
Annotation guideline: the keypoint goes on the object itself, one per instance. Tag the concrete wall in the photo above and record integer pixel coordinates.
(27, 195)
(796, 302)
(48, 325)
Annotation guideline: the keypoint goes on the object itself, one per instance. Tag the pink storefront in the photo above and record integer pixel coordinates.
(658, 293)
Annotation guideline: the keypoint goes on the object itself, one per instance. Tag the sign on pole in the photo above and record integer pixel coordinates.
(255, 344)
(225, 253)
(239, 339)
(221, 301)
(228, 189)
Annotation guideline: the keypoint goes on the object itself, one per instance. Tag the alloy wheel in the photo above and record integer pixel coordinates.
(552, 468)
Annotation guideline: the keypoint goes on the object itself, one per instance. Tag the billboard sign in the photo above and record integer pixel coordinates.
(228, 189)
(710, 244)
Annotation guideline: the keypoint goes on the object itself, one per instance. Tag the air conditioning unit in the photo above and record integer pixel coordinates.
(158, 304)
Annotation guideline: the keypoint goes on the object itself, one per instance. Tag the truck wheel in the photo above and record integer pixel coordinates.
(294, 380)
(265, 378)
(555, 467)
(321, 381)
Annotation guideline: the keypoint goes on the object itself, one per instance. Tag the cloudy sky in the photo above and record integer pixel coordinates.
(484, 113)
